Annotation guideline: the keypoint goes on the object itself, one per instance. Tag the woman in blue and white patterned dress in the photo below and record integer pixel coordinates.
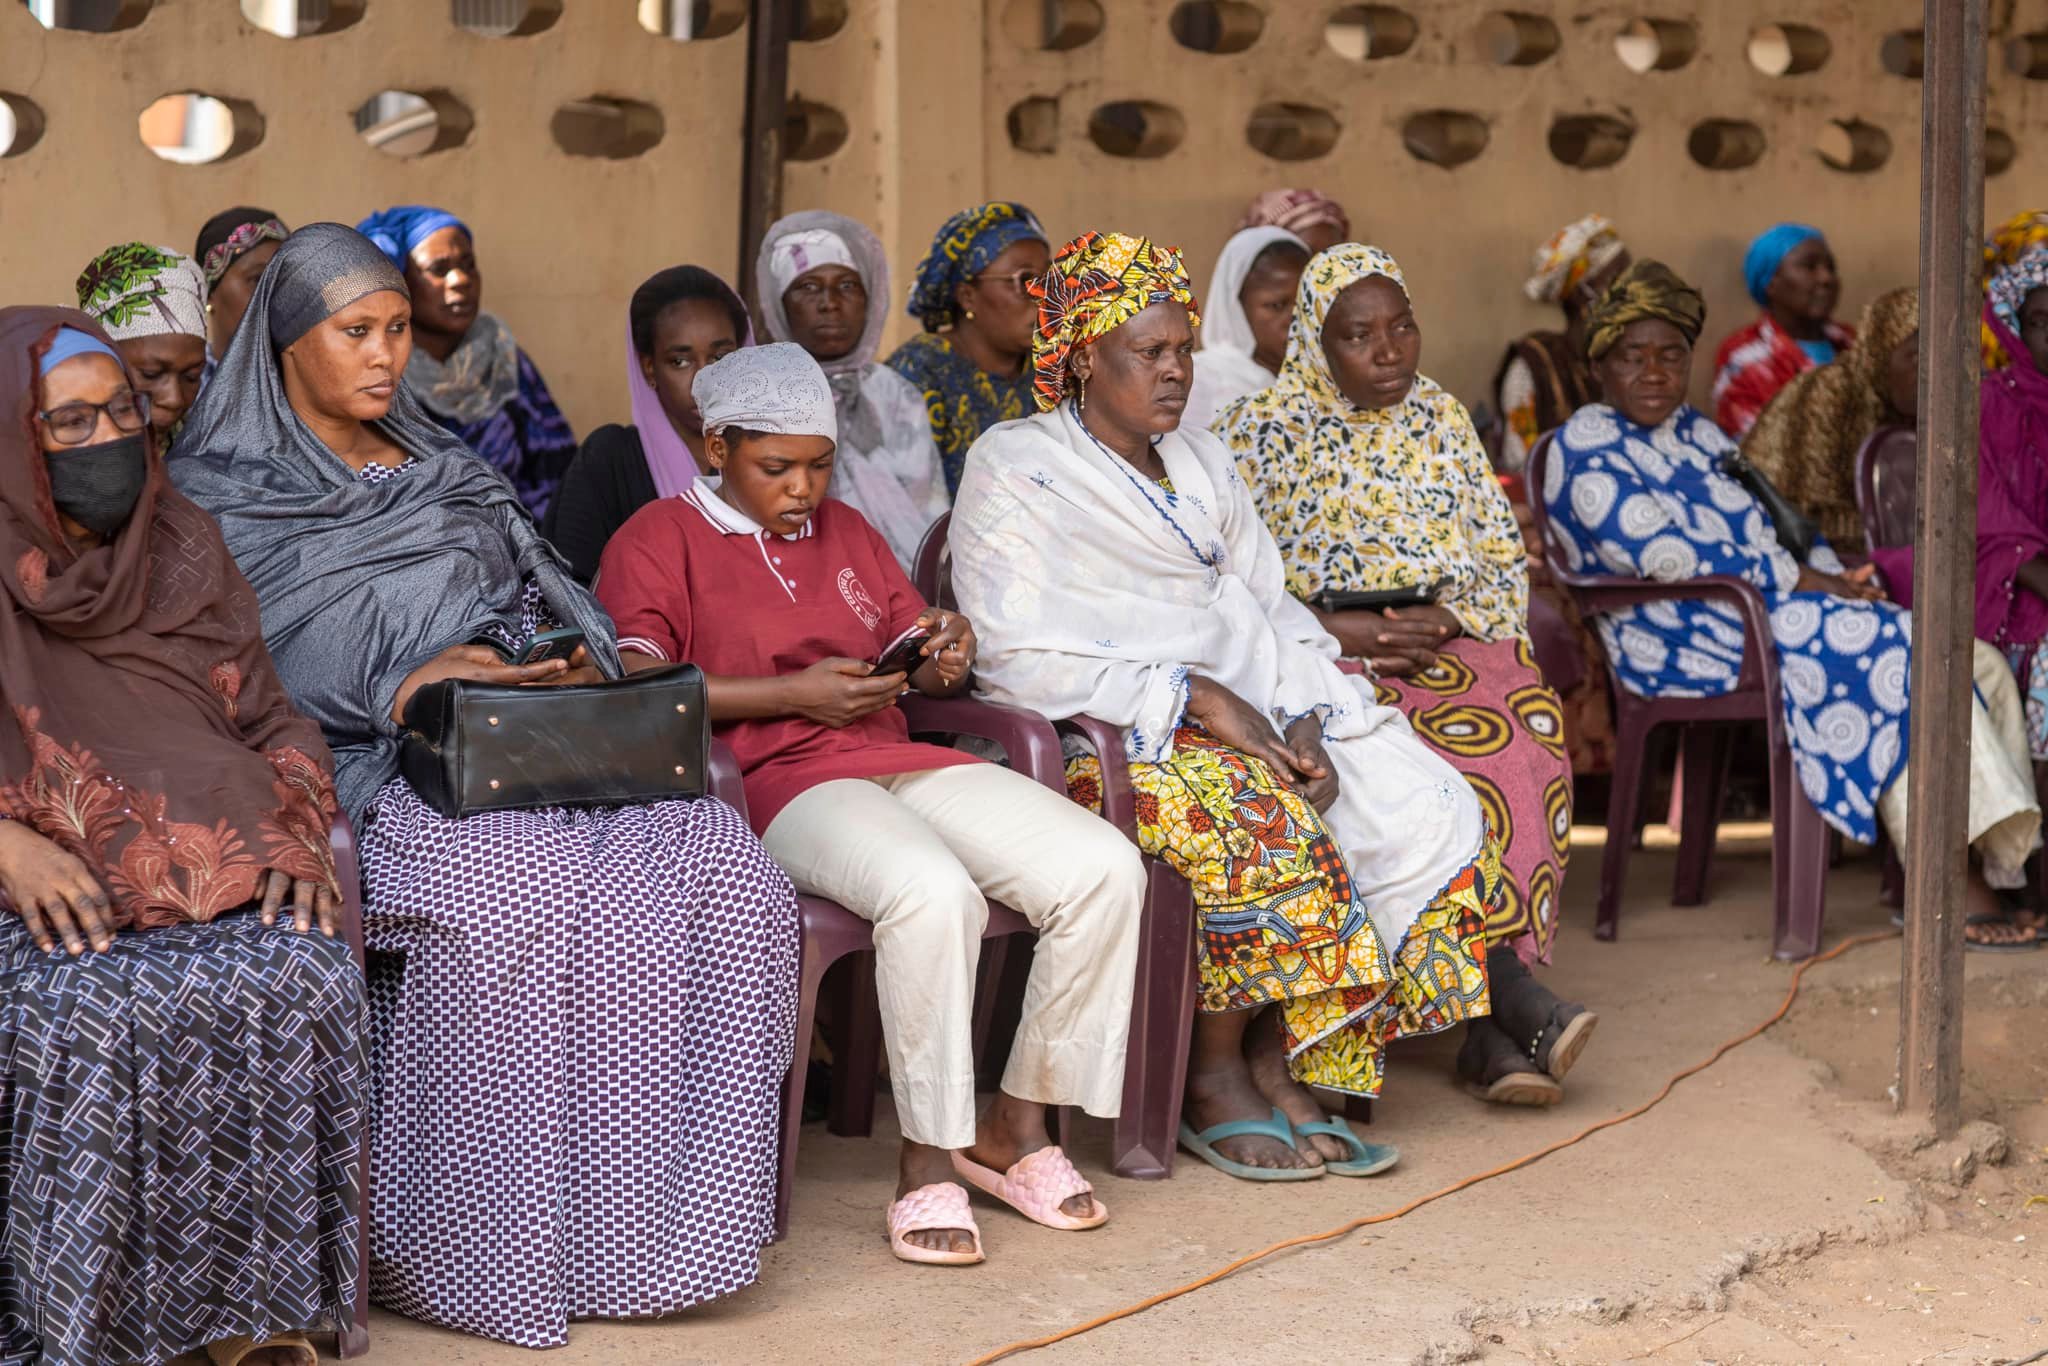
(1636, 487)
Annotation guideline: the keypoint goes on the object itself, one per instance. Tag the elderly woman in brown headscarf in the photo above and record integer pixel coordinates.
(1806, 441)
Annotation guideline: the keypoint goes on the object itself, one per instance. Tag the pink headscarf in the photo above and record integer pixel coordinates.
(668, 455)
(1295, 210)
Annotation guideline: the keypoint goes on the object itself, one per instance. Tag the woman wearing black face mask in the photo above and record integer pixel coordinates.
(159, 802)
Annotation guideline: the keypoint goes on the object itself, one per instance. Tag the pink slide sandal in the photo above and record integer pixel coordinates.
(939, 1205)
(1036, 1187)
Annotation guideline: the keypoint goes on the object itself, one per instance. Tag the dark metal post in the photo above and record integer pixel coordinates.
(1944, 575)
(768, 32)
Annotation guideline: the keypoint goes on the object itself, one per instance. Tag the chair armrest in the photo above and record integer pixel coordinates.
(726, 784)
(1606, 592)
(1119, 799)
(1028, 739)
(341, 838)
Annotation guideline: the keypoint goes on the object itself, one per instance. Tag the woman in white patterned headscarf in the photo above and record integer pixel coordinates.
(152, 302)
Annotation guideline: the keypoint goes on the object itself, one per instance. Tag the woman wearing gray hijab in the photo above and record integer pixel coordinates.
(593, 1001)
(823, 283)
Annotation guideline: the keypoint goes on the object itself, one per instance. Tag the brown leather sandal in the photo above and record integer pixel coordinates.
(1499, 1073)
(232, 1351)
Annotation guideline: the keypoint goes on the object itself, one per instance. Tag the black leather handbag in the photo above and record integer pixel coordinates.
(471, 746)
(1796, 531)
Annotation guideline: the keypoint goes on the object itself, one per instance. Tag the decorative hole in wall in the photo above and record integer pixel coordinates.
(690, 20)
(811, 131)
(1136, 128)
(1052, 25)
(302, 18)
(1444, 137)
(1034, 125)
(1292, 132)
(1788, 49)
(504, 18)
(194, 128)
(1590, 141)
(1510, 39)
(2000, 151)
(1216, 25)
(1853, 145)
(2027, 55)
(1368, 33)
(21, 124)
(90, 16)
(412, 123)
(1904, 53)
(817, 20)
(1647, 45)
(607, 128)
(1726, 144)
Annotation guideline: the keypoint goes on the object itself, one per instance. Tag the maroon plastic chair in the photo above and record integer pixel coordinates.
(1885, 495)
(1164, 994)
(1800, 843)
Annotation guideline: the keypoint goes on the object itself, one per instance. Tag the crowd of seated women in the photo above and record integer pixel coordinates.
(264, 493)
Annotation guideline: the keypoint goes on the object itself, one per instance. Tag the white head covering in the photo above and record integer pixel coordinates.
(1224, 369)
(799, 253)
(775, 388)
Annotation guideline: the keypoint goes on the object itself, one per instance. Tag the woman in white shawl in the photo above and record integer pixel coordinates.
(1115, 565)
(1245, 320)
(815, 277)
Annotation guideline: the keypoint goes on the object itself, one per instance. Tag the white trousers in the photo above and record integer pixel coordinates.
(917, 853)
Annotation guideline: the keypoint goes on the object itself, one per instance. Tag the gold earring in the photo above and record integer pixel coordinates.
(1080, 392)
(968, 315)
(209, 308)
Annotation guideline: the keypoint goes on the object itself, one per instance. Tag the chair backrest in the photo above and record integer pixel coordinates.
(1885, 495)
(934, 577)
(1533, 480)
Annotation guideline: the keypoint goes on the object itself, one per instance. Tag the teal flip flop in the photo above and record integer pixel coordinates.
(1200, 1144)
(1368, 1159)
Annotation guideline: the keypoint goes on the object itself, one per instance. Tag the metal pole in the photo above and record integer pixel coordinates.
(1944, 574)
(768, 33)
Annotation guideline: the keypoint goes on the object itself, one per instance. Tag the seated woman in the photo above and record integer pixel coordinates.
(910, 836)
(678, 321)
(1318, 220)
(1371, 477)
(972, 362)
(181, 1078)
(1244, 320)
(1543, 378)
(2010, 243)
(1790, 272)
(152, 302)
(233, 248)
(467, 371)
(815, 282)
(1635, 487)
(1341, 871)
(591, 1001)
(1806, 441)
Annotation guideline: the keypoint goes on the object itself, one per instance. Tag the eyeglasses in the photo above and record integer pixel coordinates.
(74, 423)
(1019, 281)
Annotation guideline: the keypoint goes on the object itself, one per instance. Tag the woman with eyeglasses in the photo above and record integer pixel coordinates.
(182, 1077)
(820, 281)
(972, 362)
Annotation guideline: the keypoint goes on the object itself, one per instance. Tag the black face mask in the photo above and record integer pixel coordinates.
(96, 486)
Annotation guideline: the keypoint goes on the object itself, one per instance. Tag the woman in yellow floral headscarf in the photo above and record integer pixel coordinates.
(2019, 236)
(1372, 479)
(1115, 567)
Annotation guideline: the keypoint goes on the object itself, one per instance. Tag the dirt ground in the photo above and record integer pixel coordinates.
(1773, 1210)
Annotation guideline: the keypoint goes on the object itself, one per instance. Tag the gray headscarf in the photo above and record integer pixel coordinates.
(859, 426)
(360, 583)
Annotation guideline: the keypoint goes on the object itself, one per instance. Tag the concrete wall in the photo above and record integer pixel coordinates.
(925, 87)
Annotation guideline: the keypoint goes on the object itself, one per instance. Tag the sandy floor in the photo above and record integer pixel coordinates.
(1767, 1212)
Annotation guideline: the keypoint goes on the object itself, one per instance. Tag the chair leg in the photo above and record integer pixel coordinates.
(1800, 845)
(1162, 1026)
(1700, 762)
(856, 1052)
(1624, 804)
(812, 976)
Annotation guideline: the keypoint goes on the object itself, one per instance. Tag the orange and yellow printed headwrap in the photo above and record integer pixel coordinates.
(1098, 282)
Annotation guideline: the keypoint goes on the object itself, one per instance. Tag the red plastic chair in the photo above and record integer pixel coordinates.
(1800, 843)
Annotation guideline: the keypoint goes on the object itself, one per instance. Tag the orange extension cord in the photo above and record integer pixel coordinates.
(1163, 1296)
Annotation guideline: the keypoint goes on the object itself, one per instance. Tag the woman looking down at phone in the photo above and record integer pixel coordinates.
(1372, 481)
(1116, 568)
(787, 599)
(594, 1001)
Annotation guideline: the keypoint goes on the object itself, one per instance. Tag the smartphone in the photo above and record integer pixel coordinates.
(906, 654)
(548, 645)
(1375, 600)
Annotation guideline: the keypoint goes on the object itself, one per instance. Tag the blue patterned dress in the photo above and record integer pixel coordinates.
(1654, 504)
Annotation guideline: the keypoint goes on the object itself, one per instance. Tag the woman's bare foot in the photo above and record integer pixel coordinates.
(1220, 1088)
(920, 1164)
(1011, 1130)
(1265, 1052)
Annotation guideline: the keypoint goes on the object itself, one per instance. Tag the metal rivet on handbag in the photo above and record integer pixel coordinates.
(471, 746)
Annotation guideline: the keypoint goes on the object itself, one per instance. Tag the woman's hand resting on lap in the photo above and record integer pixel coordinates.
(1395, 643)
(53, 892)
(478, 662)
(1859, 584)
(310, 902)
(1298, 761)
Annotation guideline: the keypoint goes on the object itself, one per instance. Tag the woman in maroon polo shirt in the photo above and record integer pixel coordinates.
(786, 599)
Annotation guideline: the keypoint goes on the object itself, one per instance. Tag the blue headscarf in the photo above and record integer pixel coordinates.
(70, 342)
(962, 249)
(1768, 252)
(400, 228)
